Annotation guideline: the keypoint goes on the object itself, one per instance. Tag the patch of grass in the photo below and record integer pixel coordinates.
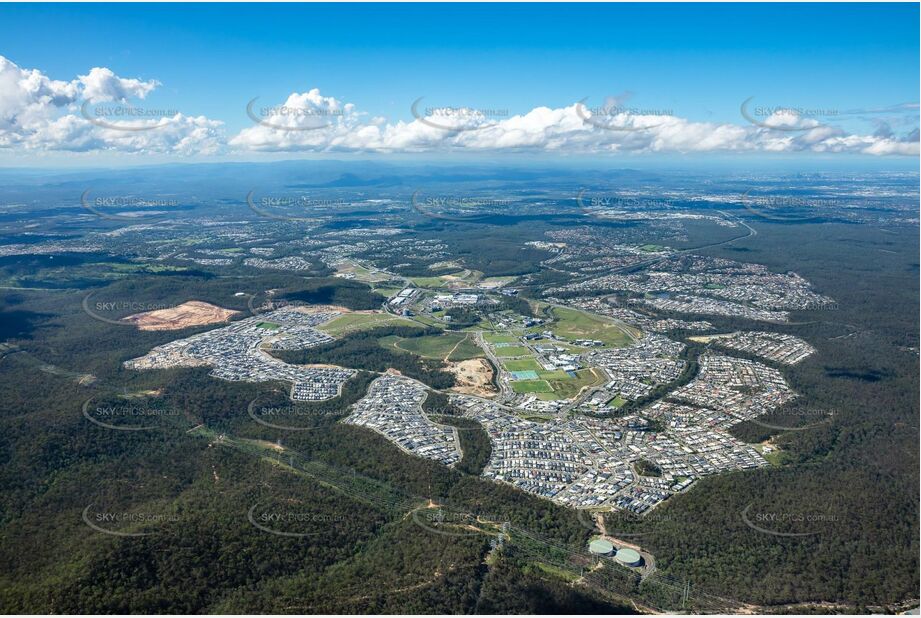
(387, 291)
(570, 387)
(617, 402)
(776, 458)
(351, 322)
(555, 571)
(428, 282)
(513, 350)
(557, 374)
(532, 386)
(527, 364)
(466, 350)
(573, 324)
(455, 346)
(497, 338)
(268, 325)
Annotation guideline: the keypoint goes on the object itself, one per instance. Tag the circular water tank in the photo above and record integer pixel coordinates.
(600, 547)
(628, 557)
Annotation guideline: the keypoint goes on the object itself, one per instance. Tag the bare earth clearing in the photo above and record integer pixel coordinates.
(191, 313)
(474, 377)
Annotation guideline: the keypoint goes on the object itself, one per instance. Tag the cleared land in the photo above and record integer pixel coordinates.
(191, 313)
(564, 386)
(573, 324)
(360, 273)
(356, 321)
(449, 346)
(473, 377)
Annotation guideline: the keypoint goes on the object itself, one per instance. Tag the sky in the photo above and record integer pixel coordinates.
(618, 81)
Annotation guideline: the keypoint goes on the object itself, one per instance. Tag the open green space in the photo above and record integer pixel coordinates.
(350, 322)
(526, 364)
(573, 324)
(453, 346)
(532, 386)
(142, 268)
(428, 282)
(556, 374)
(617, 402)
(499, 338)
(268, 325)
(568, 387)
(514, 350)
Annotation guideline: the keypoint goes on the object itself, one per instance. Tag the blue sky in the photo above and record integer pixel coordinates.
(698, 62)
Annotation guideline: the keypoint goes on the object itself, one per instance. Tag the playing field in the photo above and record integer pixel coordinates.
(524, 375)
(525, 364)
(531, 386)
(617, 402)
(515, 350)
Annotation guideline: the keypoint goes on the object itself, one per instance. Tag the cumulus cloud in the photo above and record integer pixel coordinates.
(92, 113)
(101, 84)
(575, 128)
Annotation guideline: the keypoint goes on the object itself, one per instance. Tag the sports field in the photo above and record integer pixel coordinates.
(524, 364)
(514, 350)
(524, 375)
(531, 386)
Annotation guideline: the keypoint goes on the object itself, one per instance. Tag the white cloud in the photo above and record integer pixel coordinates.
(567, 129)
(102, 84)
(38, 113)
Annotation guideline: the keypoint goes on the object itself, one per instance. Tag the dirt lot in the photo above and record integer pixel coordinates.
(192, 313)
(474, 377)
